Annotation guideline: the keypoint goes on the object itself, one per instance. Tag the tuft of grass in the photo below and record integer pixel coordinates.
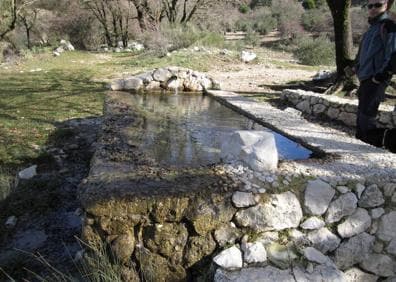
(6, 183)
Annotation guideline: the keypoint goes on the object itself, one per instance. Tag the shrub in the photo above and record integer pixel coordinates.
(252, 38)
(309, 4)
(315, 51)
(317, 20)
(288, 14)
(260, 20)
(243, 8)
(213, 39)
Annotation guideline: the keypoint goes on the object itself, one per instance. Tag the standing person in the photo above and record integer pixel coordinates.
(374, 65)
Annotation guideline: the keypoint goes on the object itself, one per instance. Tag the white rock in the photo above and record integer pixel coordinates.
(357, 223)
(133, 83)
(345, 205)
(227, 235)
(254, 274)
(318, 195)
(342, 189)
(281, 211)
(379, 264)
(229, 258)
(377, 213)
(314, 255)
(255, 253)
(387, 227)
(312, 223)
(354, 250)
(356, 275)
(371, 197)
(28, 173)
(255, 148)
(117, 85)
(359, 188)
(324, 240)
(243, 199)
(247, 56)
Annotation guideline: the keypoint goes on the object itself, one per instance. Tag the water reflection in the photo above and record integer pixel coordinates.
(188, 129)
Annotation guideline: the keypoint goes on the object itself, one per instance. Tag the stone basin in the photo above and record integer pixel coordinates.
(156, 203)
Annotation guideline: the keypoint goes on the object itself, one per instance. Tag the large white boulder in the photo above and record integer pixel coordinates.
(255, 148)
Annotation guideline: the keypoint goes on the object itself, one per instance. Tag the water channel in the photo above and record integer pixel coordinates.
(187, 129)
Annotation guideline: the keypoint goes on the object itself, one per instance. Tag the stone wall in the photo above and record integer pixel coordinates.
(335, 108)
(169, 78)
(229, 223)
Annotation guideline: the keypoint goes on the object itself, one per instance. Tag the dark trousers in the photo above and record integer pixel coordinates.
(370, 96)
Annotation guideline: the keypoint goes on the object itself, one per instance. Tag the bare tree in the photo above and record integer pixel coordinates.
(114, 17)
(149, 14)
(8, 17)
(28, 17)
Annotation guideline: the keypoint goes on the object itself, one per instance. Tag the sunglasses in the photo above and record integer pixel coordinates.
(375, 5)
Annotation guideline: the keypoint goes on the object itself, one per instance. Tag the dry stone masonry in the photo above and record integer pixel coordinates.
(170, 78)
(335, 108)
(230, 222)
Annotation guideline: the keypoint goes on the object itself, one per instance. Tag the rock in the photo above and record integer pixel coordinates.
(304, 106)
(154, 266)
(28, 173)
(162, 75)
(299, 239)
(11, 222)
(389, 189)
(198, 247)
(281, 211)
(357, 223)
(174, 84)
(342, 189)
(256, 148)
(333, 113)
(371, 197)
(254, 274)
(348, 118)
(377, 213)
(117, 85)
(56, 54)
(166, 239)
(379, 264)
(387, 227)
(391, 248)
(255, 253)
(243, 199)
(280, 255)
(135, 46)
(229, 258)
(354, 250)
(123, 246)
(66, 45)
(318, 109)
(312, 223)
(356, 275)
(314, 255)
(247, 56)
(345, 205)
(268, 237)
(133, 83)
(324, 240)
(317, 197)
(30, 240)
(359, 188)
(227, 235)
(322, 272)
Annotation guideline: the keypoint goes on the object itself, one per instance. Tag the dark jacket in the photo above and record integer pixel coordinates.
(376, 50)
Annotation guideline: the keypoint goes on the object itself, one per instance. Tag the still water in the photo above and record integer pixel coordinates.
(188, 129)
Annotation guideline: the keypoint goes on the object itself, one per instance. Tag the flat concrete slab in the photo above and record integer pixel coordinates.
(344, 155)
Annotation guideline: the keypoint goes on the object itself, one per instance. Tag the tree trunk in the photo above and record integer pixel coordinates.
(340, 11)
